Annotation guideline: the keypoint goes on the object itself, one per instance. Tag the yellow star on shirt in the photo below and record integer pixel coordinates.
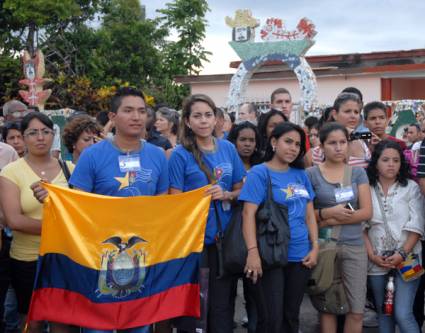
(124, 181)
(289, 192)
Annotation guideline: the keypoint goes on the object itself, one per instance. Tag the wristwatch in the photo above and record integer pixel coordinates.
(402, 253)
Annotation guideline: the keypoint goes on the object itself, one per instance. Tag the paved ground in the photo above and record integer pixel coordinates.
(309, 320)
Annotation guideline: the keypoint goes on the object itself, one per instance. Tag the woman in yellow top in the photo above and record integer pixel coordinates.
(23, 213)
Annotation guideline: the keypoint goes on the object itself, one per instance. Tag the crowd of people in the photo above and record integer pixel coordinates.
(136, 150)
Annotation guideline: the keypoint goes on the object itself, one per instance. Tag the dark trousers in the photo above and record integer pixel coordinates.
(283, 291)
(220, 294)
(4, 275)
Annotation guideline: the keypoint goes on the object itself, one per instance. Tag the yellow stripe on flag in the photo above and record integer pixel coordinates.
(77, 224)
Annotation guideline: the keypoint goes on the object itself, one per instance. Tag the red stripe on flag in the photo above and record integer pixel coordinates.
(63, 306)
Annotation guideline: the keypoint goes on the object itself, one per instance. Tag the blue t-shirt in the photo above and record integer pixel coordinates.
(291, 188)
(98, 171)
(225, 166)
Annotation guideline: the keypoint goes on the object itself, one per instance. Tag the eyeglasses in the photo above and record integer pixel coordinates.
(33, 133)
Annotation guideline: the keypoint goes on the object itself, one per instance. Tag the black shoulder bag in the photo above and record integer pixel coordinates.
(273, 233)
(273, 236)
(65, 171)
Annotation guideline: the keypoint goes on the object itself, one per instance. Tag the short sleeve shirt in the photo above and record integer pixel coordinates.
(25, 246)
(98, 171)
(7, 155)
(351, 234)
(291, 188)
(225, 166)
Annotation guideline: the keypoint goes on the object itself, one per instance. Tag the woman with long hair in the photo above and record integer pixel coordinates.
(23, 212)
(202, 159)
(346, 112)
(246, 138)
(266, 124)
(393, 232)
(347, 206)
(282, 288)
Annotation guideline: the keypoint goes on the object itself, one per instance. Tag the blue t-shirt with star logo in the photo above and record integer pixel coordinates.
(98, 171)
(291, 188)
(227, 169)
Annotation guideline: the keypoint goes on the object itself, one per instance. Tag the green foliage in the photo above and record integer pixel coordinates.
(88, 60)
(186, 17)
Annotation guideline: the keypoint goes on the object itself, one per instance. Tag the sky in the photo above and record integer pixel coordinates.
(343, 26)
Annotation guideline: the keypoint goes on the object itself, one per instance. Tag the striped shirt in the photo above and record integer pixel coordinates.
(318, 157)
(420, 173)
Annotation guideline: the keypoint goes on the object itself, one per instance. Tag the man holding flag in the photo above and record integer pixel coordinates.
(142, 270)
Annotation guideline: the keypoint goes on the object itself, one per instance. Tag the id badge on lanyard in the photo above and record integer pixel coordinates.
(344, 194)
(129, 163)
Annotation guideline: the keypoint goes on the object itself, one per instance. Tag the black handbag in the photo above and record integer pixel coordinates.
(273, 233)
(273, 236)
(234, 247)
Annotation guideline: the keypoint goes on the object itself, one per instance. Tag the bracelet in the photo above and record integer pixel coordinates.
(320, 214)
(316, 241)
(402, 253)
(252, 248)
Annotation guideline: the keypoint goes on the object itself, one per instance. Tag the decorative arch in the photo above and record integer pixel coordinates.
(279, 45)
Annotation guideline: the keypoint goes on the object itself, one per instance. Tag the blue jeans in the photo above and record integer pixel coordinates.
(11, 316)
(403, 304)
(142, 329)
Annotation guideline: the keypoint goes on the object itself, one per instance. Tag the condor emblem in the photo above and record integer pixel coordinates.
(123, 269)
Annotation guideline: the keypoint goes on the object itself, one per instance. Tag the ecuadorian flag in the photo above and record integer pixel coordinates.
(116, 263)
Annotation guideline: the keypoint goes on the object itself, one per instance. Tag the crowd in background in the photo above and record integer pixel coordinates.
(239, 153)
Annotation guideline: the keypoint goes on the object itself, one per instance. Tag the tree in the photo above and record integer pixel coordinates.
(85, 60)
(187, 17)
(34, 15)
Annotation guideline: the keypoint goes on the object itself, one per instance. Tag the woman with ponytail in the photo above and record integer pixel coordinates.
(199, 160)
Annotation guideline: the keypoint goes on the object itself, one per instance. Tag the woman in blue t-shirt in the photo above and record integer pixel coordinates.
(284, 287)
(199, 160)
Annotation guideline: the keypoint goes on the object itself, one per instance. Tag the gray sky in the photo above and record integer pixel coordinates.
(344, 26)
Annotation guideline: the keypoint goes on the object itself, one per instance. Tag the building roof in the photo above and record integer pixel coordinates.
(390, 62)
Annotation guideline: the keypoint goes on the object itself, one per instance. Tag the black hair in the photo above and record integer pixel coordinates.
(310, 121)
(372, 106)
(262, 125)
(328, 128)
(187, 137)
(280, 130)
(124, 92)
(372, 170)
(353, 90)
(326, 116)
(418, 128)
(279, 91)
(234, 134)
(102, 118)
(10, 125)
(345, 97)
(35, 115)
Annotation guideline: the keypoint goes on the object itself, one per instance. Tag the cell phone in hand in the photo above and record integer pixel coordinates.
(348, 206)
